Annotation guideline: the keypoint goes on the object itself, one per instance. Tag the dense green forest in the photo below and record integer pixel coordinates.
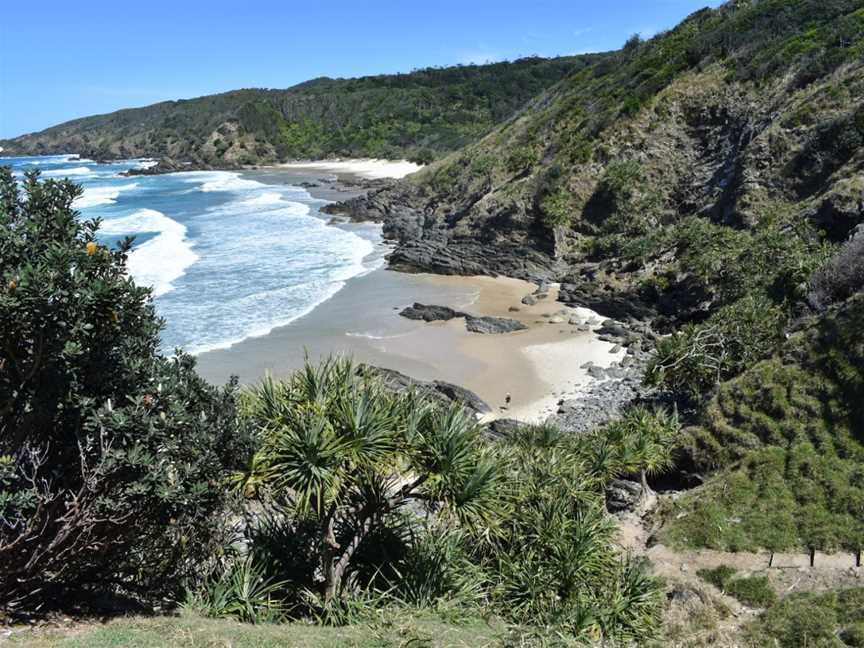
(417, 115)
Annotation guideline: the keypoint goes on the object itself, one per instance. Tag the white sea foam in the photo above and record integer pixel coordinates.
(223, 181)
(267, 198)
(62, 173)
(94, 196)
(160, 260)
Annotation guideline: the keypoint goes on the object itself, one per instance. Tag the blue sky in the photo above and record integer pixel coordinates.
(62, 59)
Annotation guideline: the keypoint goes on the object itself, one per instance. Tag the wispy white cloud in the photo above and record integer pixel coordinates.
(581, 31)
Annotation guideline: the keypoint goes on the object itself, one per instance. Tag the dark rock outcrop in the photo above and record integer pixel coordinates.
(431, 313)
(487, 325)
(437, 390)
(493, 325)
(502, 428)
(623, 495)
(170, 165)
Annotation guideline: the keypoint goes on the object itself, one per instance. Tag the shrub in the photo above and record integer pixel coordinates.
(112, 456)
(811, 619)
(558, 209)
(241, 591)
(719, 576)
(691, 362)
(342, 454)
(555, 560)
(755, 591)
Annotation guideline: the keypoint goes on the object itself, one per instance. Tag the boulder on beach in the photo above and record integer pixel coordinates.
(529, 300)
(492, 325)
(430, 313)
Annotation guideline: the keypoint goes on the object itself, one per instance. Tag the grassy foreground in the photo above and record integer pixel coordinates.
(196, 632)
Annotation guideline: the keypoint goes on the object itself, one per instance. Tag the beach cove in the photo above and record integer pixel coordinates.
(539, 366)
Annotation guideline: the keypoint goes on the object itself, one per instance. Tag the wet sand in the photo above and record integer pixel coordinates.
(537, 366)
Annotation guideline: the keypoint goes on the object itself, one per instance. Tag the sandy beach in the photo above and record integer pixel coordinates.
(537, 366)
(370, 169)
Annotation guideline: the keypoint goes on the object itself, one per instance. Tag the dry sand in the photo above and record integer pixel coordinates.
(537, 366)
(371, 169)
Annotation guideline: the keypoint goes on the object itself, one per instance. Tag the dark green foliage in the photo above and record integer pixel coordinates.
(554, 561)
(718, 577)
(516, 528)
(788, 433)
(755, 591)
(691, 362)
(342, 455)
(111, 457)
(754, 281)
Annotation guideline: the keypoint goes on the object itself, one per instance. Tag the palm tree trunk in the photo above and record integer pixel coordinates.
(336, 565)
(643, 475)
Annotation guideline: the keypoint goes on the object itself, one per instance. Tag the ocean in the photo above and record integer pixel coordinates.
(227, 257)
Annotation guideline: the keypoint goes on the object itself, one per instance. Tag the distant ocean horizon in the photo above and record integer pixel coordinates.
(227, 257)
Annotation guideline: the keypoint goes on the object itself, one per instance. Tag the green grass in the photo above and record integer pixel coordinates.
(398, 629)
(787, 436)
(811, 621)
(755, 591)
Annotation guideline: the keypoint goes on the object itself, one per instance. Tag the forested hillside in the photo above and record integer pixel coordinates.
(417, 115)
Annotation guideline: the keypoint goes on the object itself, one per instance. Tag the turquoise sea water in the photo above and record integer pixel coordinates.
(227, 257)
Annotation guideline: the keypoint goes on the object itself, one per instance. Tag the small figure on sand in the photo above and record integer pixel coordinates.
(507, 399)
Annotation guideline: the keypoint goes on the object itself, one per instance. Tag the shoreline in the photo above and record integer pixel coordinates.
(538, 366)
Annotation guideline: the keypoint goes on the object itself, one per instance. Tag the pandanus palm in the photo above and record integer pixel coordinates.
(646, 438)
(345, 452)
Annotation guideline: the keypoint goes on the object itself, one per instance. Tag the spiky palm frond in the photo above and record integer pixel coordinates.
(307, 463)
(252, 475)
(364, 421)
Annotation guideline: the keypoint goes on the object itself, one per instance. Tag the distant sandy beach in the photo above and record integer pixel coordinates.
(370, 169)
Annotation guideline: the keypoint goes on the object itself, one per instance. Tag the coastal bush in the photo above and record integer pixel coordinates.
(692, 361)
(112, 457)
(342, 454)
(376, 499)
(755, 591)
(803, 620)
(554, 561)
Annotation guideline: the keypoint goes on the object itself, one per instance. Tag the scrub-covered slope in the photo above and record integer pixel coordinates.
(417, 115)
